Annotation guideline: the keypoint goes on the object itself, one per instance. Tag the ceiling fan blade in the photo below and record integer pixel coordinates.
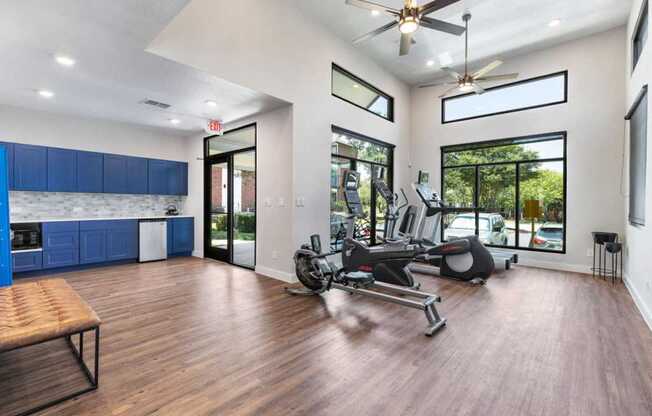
(487, 69)
(435, 5)
(437, 84)
(375, 32)
(477, 88)
(406, 42)
(498, 77)
(441, 26)
(451, 72)
(448, 91)
(369, 5)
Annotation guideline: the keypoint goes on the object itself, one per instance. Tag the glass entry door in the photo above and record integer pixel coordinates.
(230, 199)
(218, 214)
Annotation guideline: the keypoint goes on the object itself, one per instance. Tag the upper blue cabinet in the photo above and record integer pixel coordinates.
(90, 172)
(62, 170)
(115, 174)
(30, 168)
(168, 178)
(9, 151)
(137, 174)
(39, 168)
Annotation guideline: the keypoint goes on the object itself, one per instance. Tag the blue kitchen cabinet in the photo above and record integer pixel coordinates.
(9, 149)
(92, 242)
(122, 240)
(181, 235)
(160, 172)
(90, 172)
(27, 261)
(60, 244)
(5, 240)
(181, 179)
(137, 175)
(115, 174)
(61, 170)
(30, 168)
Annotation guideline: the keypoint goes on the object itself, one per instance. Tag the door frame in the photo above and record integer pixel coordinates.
(227, 157)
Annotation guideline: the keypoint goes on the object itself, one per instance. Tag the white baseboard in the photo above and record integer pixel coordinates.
(638, 301)
(276, 274)
(565, 267)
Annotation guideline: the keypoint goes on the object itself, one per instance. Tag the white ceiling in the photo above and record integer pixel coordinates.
(113, 73)
(499, 28)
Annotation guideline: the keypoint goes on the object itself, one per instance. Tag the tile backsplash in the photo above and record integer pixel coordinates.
(39, 205)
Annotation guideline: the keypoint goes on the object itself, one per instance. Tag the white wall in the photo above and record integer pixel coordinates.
(49, 129)
(593, 118)
(638, 240)
(285, 54)
(273, 190)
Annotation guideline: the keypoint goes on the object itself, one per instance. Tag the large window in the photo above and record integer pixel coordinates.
(640, 34)
(517, 96)
(372, 159)
(354, 90)
(637, 117)
(518, 187)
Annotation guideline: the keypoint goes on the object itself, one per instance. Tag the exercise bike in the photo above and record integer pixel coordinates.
(319, 275)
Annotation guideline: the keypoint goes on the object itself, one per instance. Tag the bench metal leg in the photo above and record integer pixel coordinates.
(79, 354)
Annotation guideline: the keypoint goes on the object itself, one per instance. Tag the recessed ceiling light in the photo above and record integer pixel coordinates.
(356, 86)
(45, 93)
(375, 13)
(554, 23)
(211, 103)
(430, 63)
(175, 121)
(65, 60)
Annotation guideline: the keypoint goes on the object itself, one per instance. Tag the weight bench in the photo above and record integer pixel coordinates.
(46, 310)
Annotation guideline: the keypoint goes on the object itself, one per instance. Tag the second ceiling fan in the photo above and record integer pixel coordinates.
(408, 20)
(470, 82)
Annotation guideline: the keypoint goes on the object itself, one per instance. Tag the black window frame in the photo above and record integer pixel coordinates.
(517, 164)
(643, 16)
(353, 162)
(633, 220)
(357, 79)
(503, 86)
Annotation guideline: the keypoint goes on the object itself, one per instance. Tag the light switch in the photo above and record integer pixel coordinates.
(301, 201)
(268, 202)
(281, 201)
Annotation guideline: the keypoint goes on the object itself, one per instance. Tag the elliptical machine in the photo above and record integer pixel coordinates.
(319, 275)
(475, 265)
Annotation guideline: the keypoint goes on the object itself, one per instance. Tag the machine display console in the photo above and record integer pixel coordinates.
(350, 183)
(383, 190)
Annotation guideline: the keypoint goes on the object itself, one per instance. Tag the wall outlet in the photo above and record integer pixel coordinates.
(274, 255)
(301, 201)
(589, 252)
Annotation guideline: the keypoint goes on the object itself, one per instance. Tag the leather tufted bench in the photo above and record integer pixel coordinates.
(36, 312)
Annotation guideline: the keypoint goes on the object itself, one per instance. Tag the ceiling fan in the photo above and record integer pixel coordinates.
(470, 82)
(408, 20)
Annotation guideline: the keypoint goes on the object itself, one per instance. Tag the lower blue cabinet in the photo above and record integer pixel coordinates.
(122, 240)
(104, 241)
(181, 235)
(60, 244)
(27, 261)
(92, 245)
(60, 258)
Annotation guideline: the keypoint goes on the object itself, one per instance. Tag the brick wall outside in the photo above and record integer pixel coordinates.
(216, 194)
(248, 192)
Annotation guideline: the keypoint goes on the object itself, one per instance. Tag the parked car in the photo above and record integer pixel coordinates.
(550, 236)
(492, 229)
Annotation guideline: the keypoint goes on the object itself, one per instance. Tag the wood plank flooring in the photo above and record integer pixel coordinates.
(197, 337)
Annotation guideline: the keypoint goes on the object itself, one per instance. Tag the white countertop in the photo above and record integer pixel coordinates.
(60, 219)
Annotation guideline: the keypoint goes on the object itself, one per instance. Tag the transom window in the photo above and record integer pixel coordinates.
(517, 96)
(360, 93)
(518, 186)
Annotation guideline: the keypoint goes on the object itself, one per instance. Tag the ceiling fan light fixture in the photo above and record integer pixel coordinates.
(408, 24)
(466, 87)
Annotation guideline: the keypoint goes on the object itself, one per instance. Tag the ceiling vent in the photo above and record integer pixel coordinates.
(157, 104)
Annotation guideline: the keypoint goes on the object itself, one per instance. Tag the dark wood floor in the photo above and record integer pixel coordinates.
(196, 337)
